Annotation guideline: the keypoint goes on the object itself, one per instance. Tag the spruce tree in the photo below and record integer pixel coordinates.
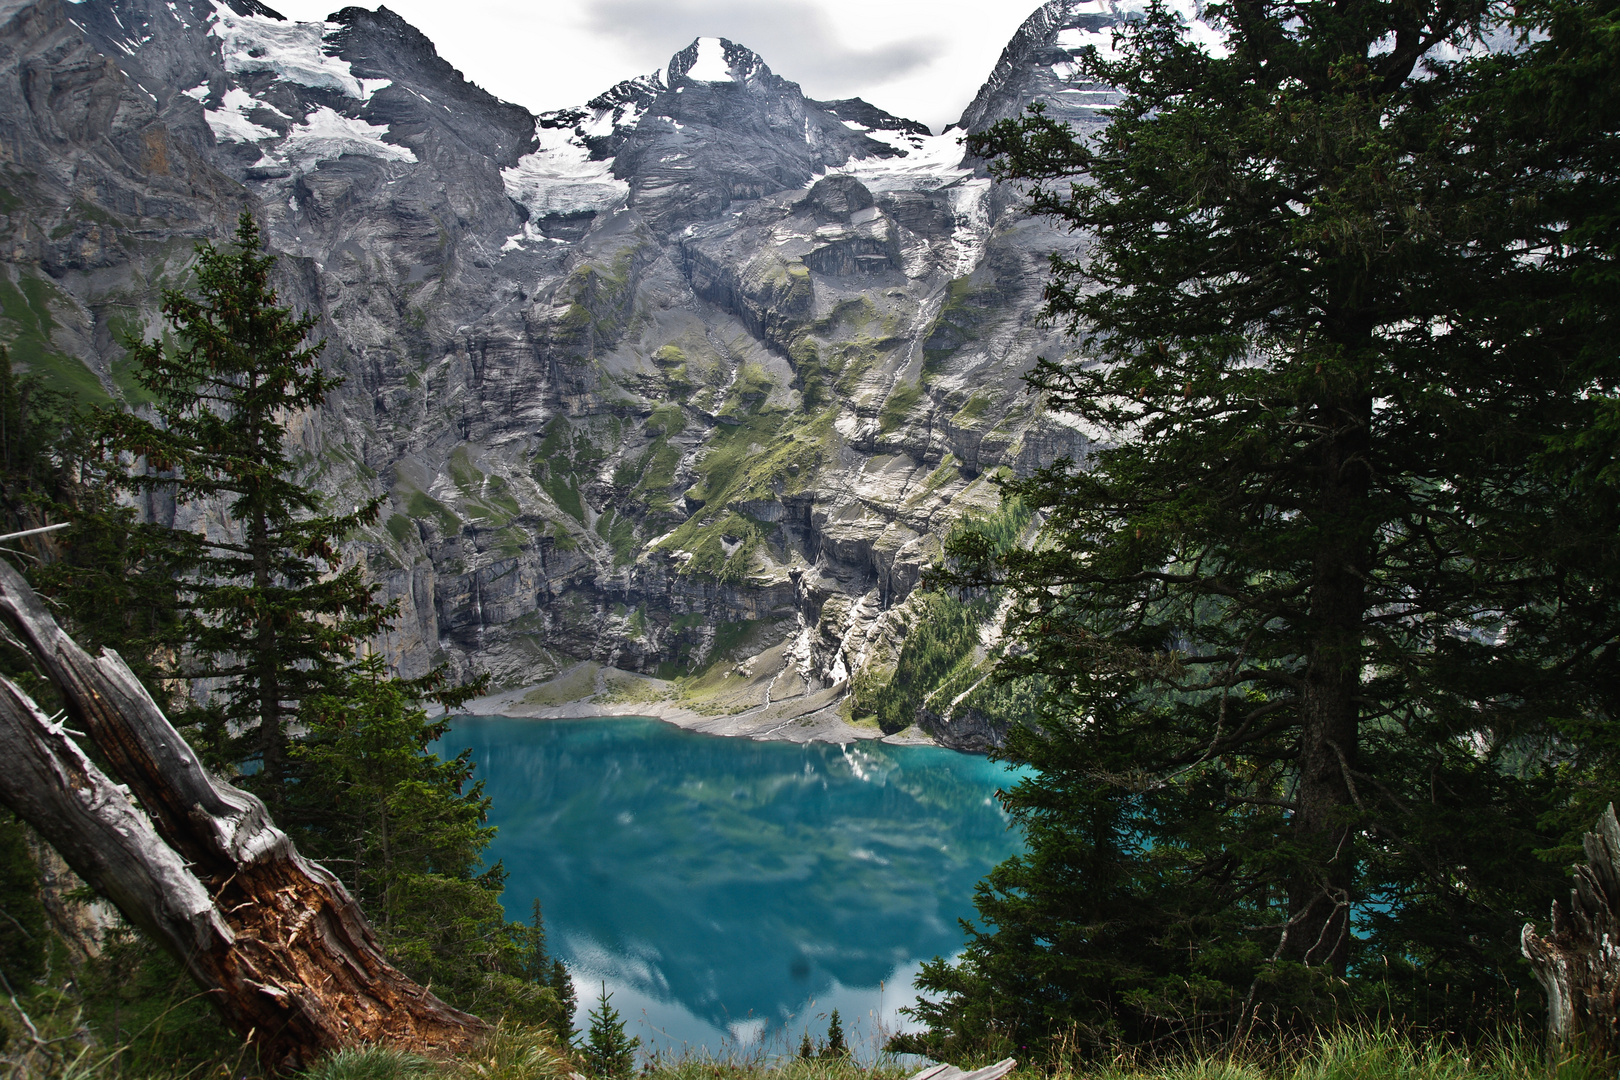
(269, 606)
(1326, 614)
(835, 1047)
(561, 984)
(609, 1053)
(539, 968)
(405, 828)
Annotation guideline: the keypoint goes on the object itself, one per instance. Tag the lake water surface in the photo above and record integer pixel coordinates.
(728, 892)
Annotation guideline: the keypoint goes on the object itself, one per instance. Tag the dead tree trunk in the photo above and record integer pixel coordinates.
(275, 940)
(1579, 966)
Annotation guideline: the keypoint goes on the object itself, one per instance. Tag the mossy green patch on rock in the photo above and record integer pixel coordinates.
(667, 419)
(972, 411)
(487, 493)
(576, 320)
(401, 528)
(720, 547)
(561, 538)
(511, 540)
(26, 324)
(847, 319)
(766, 455)
(902, 399)
(748, 392)
(419, 504)
(467, 476)
(966, 309)
(947, 473)
(602, 296)
(565, 496)
(655, 475)
(620, 533)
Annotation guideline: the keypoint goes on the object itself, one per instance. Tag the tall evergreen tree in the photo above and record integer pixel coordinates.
(1323, 616)
(268, 605)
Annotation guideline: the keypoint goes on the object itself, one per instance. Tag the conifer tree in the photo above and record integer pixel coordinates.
(1325, 617)
(269, 607)
(541, 969)
(835, 1046)
(609, 1053)
(561, 984)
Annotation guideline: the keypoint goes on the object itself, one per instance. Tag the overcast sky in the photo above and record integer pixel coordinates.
(922, 59)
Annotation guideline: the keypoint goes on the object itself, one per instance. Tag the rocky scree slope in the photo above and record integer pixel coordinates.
(690, 380)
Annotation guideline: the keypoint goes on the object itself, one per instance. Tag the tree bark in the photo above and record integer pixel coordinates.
(276, 941)
(1579, 966)
(1318, 930)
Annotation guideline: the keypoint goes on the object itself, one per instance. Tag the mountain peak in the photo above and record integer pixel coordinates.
(715, 60)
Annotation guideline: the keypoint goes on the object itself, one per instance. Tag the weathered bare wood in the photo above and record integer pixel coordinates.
(1579, 965)
(93, 825)
(951, 1072)
(282, 948)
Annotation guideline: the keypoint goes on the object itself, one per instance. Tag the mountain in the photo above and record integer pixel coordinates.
(691, 379)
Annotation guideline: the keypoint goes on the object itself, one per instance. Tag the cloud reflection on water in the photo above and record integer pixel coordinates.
(725, 887)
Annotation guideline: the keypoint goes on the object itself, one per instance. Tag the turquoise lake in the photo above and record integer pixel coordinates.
(731, 893)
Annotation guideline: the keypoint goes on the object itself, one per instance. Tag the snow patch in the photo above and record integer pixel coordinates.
(229, 120)
(198, 92)
(294, 51)
(924, 162)
(326, 134)
(561, 178)
(711, 63)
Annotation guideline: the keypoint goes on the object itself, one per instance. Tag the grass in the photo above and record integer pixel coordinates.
(516, 1052)
(972, 411)
(487, 493)
(422, 505)
(768, 454)
(625, 688)
(1355, 1054)
(1349, 1054)
(400, 527)
(959, 321)
(901, 401)
(26, 325)
(620, 533)
(566, 497)
(575, 684)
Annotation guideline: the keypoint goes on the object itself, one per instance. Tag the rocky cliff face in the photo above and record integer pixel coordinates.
(691, 379)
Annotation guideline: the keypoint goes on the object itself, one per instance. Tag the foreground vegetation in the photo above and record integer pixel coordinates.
(1327, 618)
(515, 1052)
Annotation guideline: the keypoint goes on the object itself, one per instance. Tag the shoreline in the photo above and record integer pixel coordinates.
(588, 690)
